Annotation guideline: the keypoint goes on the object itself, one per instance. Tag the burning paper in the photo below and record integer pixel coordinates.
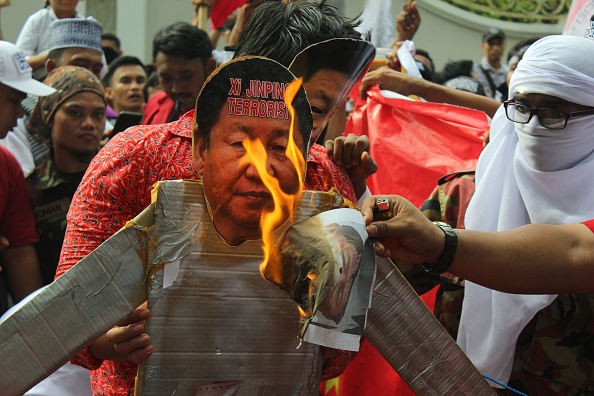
(327, 265)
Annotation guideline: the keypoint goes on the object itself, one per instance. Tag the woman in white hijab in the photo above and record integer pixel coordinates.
(538, 168)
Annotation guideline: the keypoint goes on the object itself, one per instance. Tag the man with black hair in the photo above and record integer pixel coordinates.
(123, 84)
(72, 42)
(182, 55)
(118, 183)
(491, 71)
(111, 47)
(290, 28)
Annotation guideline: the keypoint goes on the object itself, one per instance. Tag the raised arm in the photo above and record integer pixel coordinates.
(392, 80)
(535, 258)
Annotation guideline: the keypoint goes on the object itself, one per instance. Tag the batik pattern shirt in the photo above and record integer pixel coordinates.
(117, 187)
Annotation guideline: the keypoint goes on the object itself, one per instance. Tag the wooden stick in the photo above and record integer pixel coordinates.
(202, 16)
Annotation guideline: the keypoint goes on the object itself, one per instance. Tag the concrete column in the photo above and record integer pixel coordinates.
(131, 28)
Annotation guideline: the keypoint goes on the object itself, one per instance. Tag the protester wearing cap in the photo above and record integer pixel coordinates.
(73, 42)
(17, 227)
(15, 82)
(491, 72)
(70, 123)
(34, 38)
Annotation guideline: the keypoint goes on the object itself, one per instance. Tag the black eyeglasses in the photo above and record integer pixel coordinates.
(548, 118)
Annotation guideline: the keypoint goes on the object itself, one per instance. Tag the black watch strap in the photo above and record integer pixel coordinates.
(449, 250)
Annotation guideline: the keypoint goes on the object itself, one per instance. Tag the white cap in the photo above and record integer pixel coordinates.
(16, 72)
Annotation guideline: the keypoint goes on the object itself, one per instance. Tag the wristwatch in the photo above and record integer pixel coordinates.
(449, 250)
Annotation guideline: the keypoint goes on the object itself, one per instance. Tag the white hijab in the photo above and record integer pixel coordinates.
(528, 174)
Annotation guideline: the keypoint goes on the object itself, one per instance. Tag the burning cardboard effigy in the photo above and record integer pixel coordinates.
(327, 266)
(251, 135)
(217, 324)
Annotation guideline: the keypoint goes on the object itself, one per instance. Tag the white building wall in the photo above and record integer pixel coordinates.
(446, 32)
(449, 33)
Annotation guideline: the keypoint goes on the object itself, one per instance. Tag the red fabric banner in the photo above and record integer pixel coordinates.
(221, 9)
(414, 143)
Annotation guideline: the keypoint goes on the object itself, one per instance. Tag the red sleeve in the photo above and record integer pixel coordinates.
(112, 191)
(158, 109)
(16, 216)
(589, 224)
(322, 174)
(116, 187)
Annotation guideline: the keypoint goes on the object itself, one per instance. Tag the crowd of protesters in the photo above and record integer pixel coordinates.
(70, 93)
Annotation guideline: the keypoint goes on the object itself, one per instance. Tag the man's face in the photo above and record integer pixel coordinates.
(494, 49)
(180, 77)
(232, 186)
(323, 89)
(10, 108)
(82, 57)
(78, 124)
(125, 92)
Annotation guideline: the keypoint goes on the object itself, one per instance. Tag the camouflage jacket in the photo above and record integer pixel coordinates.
(555, 352)
(447, 203)
(51, 192)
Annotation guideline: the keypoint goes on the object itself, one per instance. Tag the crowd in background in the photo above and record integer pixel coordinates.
(51, 143)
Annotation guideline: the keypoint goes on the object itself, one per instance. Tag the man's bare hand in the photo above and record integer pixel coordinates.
(352, 152)
(392, 80)
(408, 21)
(128, 337)
(408, 235)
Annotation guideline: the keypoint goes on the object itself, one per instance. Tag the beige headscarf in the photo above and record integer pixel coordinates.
(68, 81)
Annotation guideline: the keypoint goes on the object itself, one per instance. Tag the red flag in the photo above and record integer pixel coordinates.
(415, 143)
(221, 9)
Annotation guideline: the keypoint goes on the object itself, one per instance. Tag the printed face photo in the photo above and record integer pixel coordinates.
(248, 107)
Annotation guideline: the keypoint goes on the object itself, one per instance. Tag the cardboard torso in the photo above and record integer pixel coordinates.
(216, 323)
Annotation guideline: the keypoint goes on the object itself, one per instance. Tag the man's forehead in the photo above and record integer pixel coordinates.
(12, 91)
(129, 70)
(255, 127)
(540, 99)
(254, 124)
(179, 61)
(326, 84)
(495, 41)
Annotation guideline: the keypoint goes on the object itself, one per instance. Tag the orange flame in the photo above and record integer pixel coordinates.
(283, 203)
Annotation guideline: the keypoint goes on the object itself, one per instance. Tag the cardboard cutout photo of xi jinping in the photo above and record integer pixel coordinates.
(250, 102)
